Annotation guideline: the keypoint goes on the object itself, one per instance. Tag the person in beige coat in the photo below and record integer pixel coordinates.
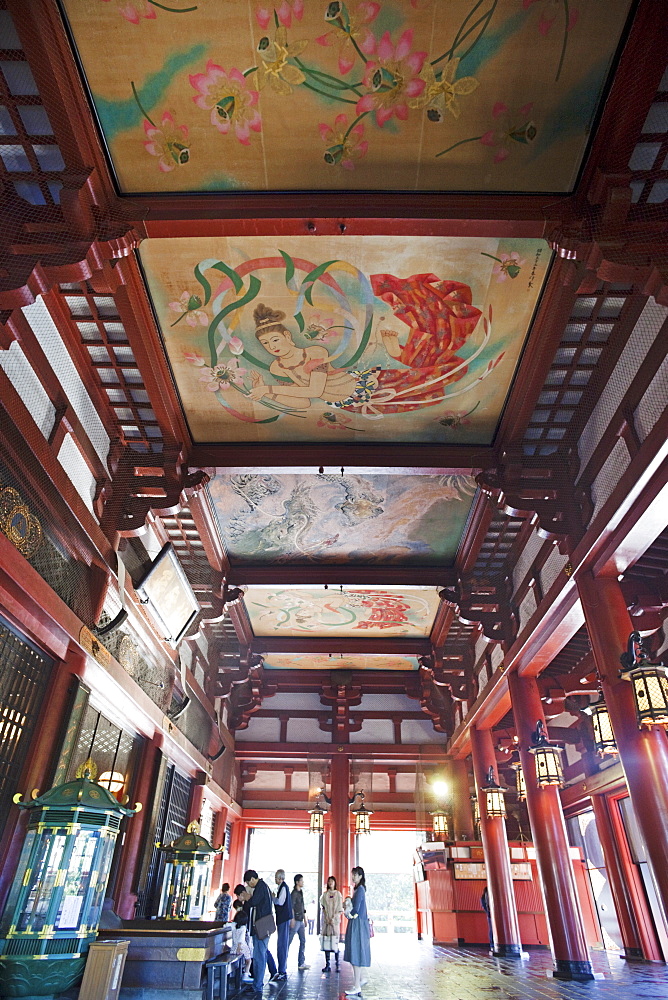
(331, 904)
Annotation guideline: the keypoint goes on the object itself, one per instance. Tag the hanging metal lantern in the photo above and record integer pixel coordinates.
(650, 683)
(439, 822)
(604, 738)
(362, 815)
(495, 803)
(475, 808)
(520, 783)
(317, 818)
(548, 758)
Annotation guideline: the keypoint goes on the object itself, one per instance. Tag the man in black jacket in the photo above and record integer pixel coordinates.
(298, 922)
(260, 906)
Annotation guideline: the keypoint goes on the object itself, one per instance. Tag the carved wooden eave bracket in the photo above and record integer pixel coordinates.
(434, 699)
(248, 692)
(485, 601)
(75, 241)
(341, 695)
(158, 483)
(524, 489)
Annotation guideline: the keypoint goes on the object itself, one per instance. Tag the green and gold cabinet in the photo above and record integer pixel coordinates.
(53, 910)
(187, 876)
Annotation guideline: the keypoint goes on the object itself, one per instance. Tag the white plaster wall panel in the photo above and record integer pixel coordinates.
(526, 558)
(527, 607)
(287, 701)
(374, 731)
(386, 703)
(417, 731)
(653, 403)
(405, 781)
(552, 567)
(613, 470)
(306, 731)
(259, 731)
(496, 655)
(76, 468)
(22, 376)
(55, 350)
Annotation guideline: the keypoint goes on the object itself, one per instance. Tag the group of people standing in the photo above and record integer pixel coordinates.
(257, 913)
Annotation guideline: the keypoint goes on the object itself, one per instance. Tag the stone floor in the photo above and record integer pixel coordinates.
(407, 969)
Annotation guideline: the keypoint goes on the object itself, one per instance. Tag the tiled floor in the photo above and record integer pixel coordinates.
(407, 969)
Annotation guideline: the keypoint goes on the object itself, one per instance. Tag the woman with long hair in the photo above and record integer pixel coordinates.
(357, 948)
(331, 904)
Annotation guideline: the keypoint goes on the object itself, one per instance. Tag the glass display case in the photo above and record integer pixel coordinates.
(185, 887)
(54, 906)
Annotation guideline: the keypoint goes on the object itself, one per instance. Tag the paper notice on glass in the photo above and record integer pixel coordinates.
(69, 915)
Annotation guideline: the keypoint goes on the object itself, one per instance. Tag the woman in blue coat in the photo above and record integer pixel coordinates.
(357, 949)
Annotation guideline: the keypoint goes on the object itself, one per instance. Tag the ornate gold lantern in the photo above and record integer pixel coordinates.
(650, 683)
(547, 756)
(495, 803)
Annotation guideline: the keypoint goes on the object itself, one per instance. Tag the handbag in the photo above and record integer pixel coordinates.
(264, 926)
(371, 930)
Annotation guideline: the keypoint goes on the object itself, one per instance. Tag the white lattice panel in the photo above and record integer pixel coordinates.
(54, 348)
(643, 336)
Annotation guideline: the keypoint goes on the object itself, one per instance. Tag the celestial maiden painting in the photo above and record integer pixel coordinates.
(342, 612)
(366, 338)
(427, 95)
(299, 519)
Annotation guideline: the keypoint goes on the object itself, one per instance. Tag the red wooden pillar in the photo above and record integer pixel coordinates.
(235, 867)
(136, 826)
(642, 752)
(505, 925)
(555, 868)
(196, 798)
(462, 818)
(620, 887)
(339, 830)
(219, 825)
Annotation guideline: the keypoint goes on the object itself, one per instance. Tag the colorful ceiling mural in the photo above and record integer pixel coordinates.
(345, 612)
(339, 661)
(347, 338)
(299, 519)
(427, 95)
